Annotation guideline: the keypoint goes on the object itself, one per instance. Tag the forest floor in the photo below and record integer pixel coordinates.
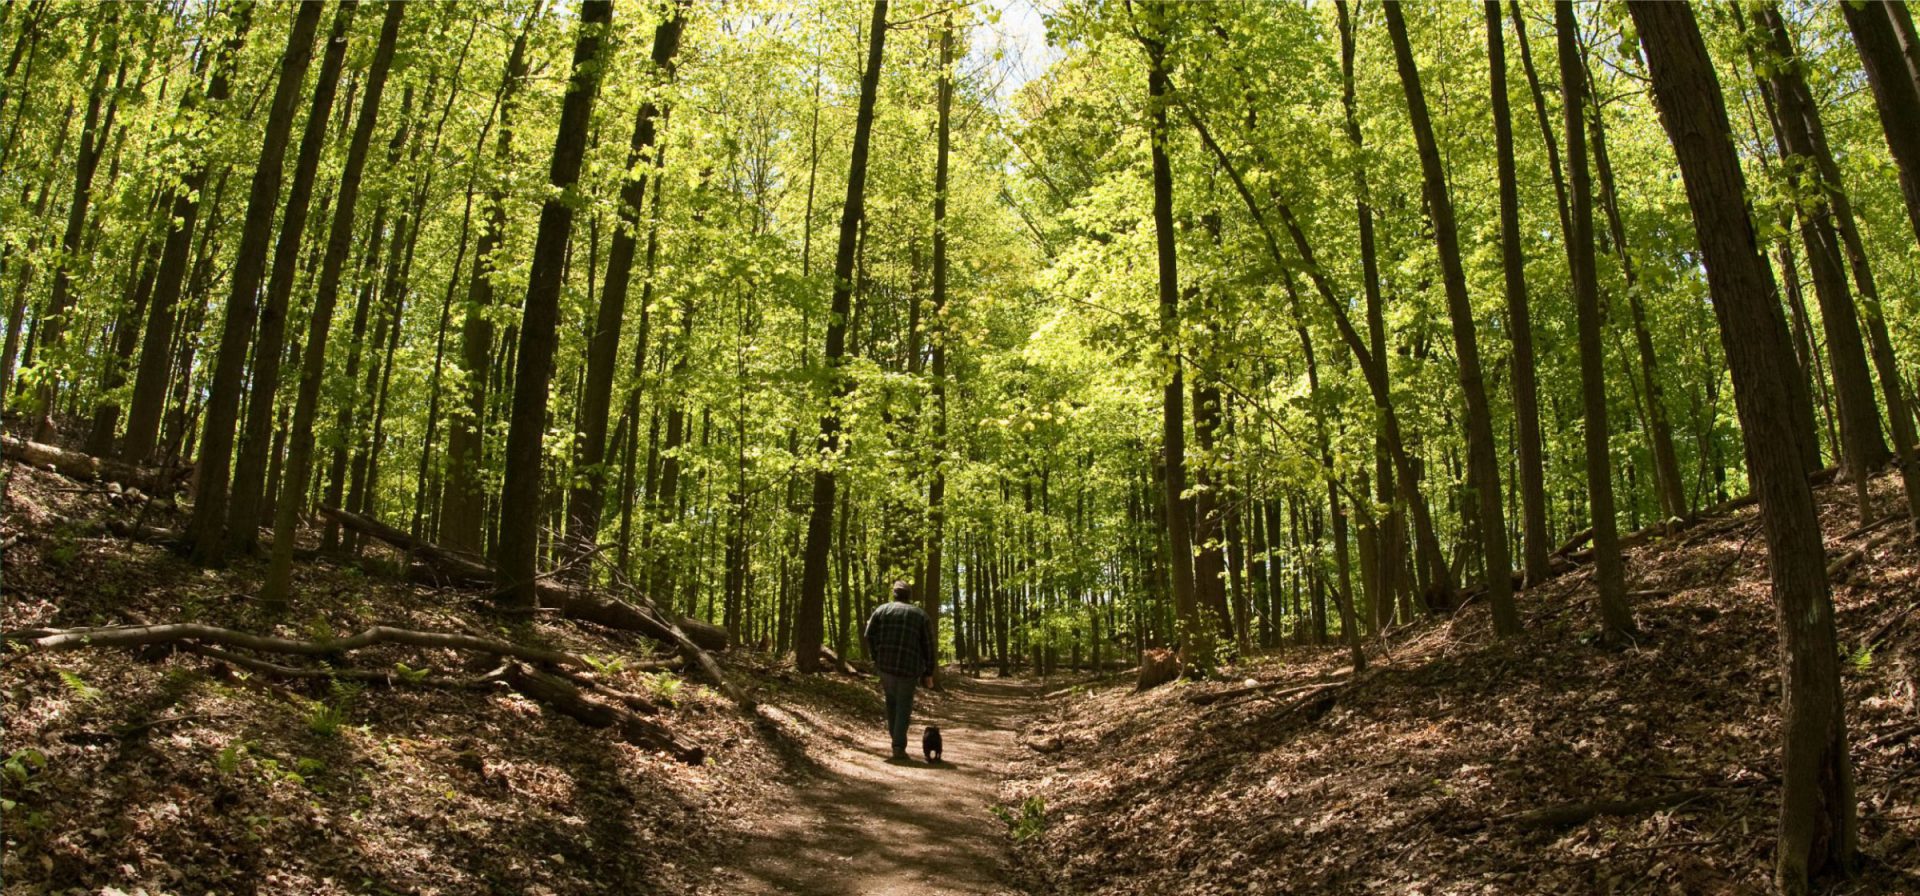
(1429, 772)
(162, 771)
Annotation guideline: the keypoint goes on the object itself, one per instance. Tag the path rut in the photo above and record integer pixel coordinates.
(861, 824)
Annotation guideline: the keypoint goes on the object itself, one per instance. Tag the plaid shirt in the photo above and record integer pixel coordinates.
(900, 639)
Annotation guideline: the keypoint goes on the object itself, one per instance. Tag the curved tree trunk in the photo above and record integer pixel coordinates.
(1817, 825)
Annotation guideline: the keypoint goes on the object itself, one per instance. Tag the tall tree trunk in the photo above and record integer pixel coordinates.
(809, 620)
(250, 469)
(1194, 636)
(299, 462)
(587, 496)
(1526, 401)
(1616, 618)
(1863, 446)
(1482, 464)
(51, 330)
(1895, 93)
(126, 331)
(1817, 824)
(148, 405)
(517, 561)
(937, 336)
(1795, 96)
(206, 531)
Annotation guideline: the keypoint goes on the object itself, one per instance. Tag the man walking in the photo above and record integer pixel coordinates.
(899, 637)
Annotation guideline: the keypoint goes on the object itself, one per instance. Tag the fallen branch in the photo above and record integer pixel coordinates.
(144, 635)
(86, 467)
(366, 676)
(1574, 814)
(1270, 688)
(575, 603)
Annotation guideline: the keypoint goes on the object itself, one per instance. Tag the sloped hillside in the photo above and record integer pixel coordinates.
(1462, 764)
(164, 771)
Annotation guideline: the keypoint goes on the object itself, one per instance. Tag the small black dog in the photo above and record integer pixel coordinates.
(930, 744)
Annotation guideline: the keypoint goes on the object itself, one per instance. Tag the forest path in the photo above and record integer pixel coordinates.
(858, 823)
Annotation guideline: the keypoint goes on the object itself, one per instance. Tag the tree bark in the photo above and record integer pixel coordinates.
(1894, 92)
(1616, 617)
(1863, 446)
(463, 501)
(206, 531)
(1194, 637)
(1817, 822)
(1526, 401)
(50, 333)
(1879, 341)
(1483, 467)
(809, 621)
(250, 469)
(299, 462)
(520, 493)
(588, 494)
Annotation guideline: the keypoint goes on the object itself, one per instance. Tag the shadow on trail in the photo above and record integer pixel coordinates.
(863, 823)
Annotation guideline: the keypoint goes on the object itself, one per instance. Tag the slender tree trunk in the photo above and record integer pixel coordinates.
(1616, 618)
(1668, 485)
(1817, 824)
(1526, 403)
(1195, 637)
(1794, 97)
(809, 621)
(937, 336)
(148, 405)
(1862, 444)
(517, 559)
(587, 495)
(1482, 463)
(206, 531)
(299, 463)
(250, 469)
(126, 331)
(1894, 91)
(51, 330)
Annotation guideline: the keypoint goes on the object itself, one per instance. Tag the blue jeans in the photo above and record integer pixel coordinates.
(899, 691)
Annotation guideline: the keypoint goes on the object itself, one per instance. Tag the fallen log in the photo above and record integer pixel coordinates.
(563, 697)
(835, 662)
(574, 603)
(86, 467)
(365, 676)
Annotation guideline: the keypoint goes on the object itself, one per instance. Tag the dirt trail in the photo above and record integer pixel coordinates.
(860, 824)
